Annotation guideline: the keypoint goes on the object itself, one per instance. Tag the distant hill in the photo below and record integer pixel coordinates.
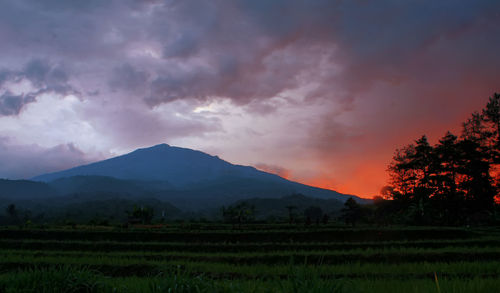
(93, 184)
(115, 209)
(24, 189)
(86, 207)
(266, 208)
(189, 179)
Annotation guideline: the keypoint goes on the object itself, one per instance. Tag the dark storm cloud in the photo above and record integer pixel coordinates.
(243, 45)
(4, 76)
(238, 53)
(251, 50)
(44, 78)
(26, 161)
(128, 78)
(416, 40)
(257, 49)
(12, 104)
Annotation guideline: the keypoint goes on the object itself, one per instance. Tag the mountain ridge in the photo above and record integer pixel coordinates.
(146, 159)
(189, 176)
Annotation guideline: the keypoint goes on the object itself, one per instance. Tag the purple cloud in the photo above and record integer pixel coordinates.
(26, 161)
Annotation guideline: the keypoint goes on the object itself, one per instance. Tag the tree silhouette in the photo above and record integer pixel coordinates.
(290, 209)
(12, 212)
(452, 180)
(239, 213)
(351, 213)
(313, 214)
(142, 215)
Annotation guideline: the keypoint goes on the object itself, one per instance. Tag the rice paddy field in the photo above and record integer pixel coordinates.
(250, 258)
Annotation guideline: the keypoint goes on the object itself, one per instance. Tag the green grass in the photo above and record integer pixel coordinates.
(383, 256)
(125, 266)
(34, 244)
(316, 234)
(276, 259)
(67, 279)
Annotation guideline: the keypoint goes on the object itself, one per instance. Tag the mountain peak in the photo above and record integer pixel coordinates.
(158, 146)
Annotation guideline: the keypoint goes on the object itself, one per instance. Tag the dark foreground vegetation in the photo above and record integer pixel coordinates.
(249, 258)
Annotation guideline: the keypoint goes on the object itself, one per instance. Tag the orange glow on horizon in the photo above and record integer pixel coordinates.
(354, 189)
(365, 182)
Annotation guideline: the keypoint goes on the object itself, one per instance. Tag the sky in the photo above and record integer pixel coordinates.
(321, 91)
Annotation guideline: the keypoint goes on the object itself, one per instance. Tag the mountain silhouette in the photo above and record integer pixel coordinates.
(179, 166)
(188, 178)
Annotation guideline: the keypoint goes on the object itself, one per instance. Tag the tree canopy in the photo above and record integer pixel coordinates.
(454, 181)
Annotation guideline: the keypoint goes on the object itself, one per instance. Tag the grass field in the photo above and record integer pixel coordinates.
(250, 258)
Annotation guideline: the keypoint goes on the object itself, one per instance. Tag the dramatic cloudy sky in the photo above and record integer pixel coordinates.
(321, 92)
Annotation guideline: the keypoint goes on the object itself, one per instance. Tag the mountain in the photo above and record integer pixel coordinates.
(189, 179)
(179, 166)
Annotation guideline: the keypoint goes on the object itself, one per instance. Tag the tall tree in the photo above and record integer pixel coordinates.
(446, 165)
(352, 212)
(402, 174)
(476, 181)
(448, 199)
(313, 213)
(291, 217)
(491, 117)
(239, 213)
(11, 211)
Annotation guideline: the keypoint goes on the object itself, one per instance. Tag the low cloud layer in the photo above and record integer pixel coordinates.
(26, 161)
(280, 171)
(327, 88)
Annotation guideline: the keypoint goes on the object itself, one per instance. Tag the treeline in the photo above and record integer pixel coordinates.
(453, 182)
